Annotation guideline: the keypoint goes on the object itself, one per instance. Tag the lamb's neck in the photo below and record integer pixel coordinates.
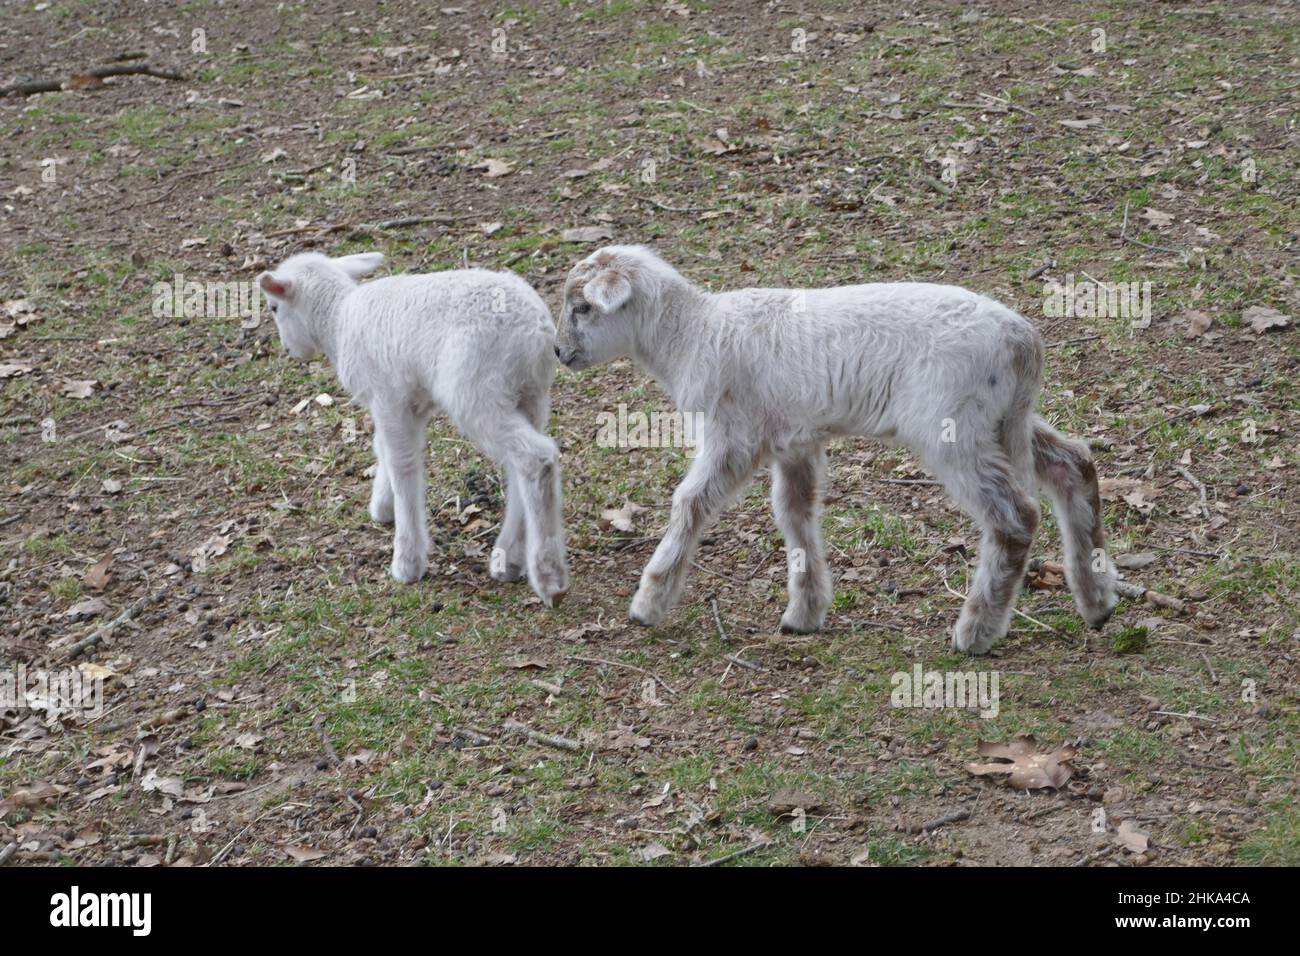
(667, 343)
(326, 315)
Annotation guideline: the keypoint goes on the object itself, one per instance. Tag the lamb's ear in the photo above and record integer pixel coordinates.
(275, 285)
(360, 264)
(610, 290)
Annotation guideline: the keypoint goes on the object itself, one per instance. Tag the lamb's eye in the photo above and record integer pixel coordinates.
(274, 308)
(581, 308)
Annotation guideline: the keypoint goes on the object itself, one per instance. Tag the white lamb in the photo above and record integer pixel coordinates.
(479, 345)
(776, 373)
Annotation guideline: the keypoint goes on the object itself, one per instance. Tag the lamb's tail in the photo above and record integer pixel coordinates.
(1066, 472)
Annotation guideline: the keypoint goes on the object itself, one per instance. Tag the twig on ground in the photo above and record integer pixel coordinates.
(536, 736)
(744, 851)
(1198, 485)
(1126, 588)
(1125, 237)
(741, 662)
(717, 620)
(936, 822)
(1185, 413)
(631, 667)
(331, 754)
(98, 73)
(7, 853)
(106, 630)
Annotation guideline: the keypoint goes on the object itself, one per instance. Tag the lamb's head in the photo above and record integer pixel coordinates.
(302, 287)
(605, 296)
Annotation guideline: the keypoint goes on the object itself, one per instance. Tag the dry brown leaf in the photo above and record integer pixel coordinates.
(1198, 323)
(170, 786)
(1025, 766)
(78, 388)
(31, 796)
(99, 575)
(1131, 838)
(620, 519)
(303, 854)
(1261, 318)
(494, 168)
(586, 234)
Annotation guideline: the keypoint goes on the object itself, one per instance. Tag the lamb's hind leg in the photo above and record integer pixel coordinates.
(532, 464)
(797, 483)
(1066, 472)
(509, 554)
(381, 491)
(990, 488)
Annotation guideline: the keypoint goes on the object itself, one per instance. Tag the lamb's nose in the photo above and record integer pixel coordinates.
(557, 351)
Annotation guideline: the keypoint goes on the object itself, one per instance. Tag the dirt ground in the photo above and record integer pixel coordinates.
(272, 697)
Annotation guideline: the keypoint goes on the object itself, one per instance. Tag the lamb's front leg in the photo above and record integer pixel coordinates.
(714, 477)
(796, 500)
(401, 437)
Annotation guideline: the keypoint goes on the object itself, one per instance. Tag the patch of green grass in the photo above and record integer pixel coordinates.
(1131, 640)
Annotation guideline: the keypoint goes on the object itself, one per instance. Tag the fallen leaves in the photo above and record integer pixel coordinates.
(586, 234)
(85, 610)
(1025, 766)
(1131, 838)
(31, 796)
(1198, 323)
(77, 388)
(99, 575)
(1261, 318)
(621, 519)
(1137, 494)
(494, 168)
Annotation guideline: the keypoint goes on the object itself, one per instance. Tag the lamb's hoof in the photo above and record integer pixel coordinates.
(409, 568)
(549, 579)
(381, 514)
(506, 573)
(972, 638)
(503, 567)
(1097, 617)
(644, 611)
(800, 622)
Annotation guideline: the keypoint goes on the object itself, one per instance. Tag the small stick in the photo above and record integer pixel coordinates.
(717, 619)
(473, 736)
(1124, 237)
(741, 662)
(1165, 421)
(1198, 485)
(1126, 588)
(7, 853)
(99, 73)
(744, 851)
(937, 822)
(908, 481)
(536, 736)
(1214, 678)
(331, 754)
(1190, 716)
(554, 690)
(631, 667)
(88, 642)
